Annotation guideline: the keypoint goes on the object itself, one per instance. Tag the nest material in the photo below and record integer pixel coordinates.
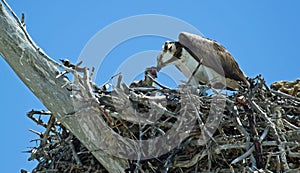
(259, 129)
(291, 88)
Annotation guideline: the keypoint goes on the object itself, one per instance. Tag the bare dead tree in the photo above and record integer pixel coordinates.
(259, 130)
(38, 72)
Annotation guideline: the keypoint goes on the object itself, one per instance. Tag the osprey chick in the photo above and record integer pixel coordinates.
(202, 60)
(146, 82)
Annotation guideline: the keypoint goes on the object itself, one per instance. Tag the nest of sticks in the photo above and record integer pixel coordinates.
(258, 129)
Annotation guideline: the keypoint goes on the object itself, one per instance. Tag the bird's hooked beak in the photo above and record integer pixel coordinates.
(158, 67)
(160, 63)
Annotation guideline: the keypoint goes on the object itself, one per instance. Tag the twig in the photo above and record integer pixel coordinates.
(48, 129)
(79, 164)
(246, 154)
(285, 95)
(157, 83)
(38, 121)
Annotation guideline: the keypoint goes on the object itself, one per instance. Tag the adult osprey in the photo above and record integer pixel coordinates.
(202, 60)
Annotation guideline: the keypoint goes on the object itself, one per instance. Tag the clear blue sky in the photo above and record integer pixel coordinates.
(263, 36)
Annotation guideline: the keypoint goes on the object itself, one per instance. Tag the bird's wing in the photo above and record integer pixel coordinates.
(212, 55)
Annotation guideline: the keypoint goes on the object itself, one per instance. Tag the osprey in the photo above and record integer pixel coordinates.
(202, 60)
(146, 82)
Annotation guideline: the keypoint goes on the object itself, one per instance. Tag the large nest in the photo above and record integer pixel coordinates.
(258, 129)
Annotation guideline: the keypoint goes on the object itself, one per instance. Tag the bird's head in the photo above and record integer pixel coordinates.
(151, 71)
(170, 53)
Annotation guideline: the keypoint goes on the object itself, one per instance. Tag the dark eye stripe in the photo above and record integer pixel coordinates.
(178, 52)
(166, 46)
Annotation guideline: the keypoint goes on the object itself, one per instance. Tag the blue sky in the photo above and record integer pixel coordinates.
(263, 37)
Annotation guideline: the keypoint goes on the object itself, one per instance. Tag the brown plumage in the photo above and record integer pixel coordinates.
(219, 57)
(210, 54)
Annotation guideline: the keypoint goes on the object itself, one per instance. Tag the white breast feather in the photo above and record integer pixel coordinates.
(187, 65)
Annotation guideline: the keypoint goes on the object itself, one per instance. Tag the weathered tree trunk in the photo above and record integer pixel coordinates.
(38, 72)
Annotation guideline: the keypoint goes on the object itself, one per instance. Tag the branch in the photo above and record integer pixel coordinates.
(38, 72)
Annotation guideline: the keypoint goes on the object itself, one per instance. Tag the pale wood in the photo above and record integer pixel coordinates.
(38, 72)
